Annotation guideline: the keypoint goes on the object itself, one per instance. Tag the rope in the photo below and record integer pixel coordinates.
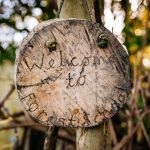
(60, 8)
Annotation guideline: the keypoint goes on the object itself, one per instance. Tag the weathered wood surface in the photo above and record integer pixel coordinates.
(78, 84)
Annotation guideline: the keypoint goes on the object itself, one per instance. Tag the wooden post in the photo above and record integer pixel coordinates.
(93, 138)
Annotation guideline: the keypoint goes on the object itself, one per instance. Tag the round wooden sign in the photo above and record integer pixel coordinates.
(72, 73)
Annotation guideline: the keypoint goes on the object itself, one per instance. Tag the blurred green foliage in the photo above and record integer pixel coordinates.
(9, 53)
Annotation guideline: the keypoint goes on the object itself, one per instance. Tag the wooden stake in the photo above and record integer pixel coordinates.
(94, 138)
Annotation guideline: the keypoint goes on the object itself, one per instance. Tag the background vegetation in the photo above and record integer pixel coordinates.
(129, 20)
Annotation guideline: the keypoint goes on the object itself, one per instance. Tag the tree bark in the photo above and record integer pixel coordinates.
(94, 138)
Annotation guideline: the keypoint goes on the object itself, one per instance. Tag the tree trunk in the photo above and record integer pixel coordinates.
(94, 138)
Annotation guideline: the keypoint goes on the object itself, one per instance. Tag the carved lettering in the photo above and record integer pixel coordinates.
(51, 63)
(122, 97)
(74, 62)
(28, 97)
(34, 64)
(81, 80)
(30, 102)
(32, 107)
(70, 84)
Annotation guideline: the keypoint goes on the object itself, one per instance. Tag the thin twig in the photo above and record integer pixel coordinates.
(7, 96)
(113, 133)
(21, 125)
(126, 138)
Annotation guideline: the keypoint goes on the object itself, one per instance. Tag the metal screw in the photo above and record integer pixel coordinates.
(102, 41)
(51, 45)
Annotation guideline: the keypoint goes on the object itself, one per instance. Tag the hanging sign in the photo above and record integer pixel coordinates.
(72, 73)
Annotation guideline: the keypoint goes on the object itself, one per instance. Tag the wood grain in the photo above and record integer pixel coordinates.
(78, 84)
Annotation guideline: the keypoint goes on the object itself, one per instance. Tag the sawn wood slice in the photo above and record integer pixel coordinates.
(76, 83)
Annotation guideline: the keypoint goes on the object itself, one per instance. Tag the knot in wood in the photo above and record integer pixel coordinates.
(102, 41)
(51, 45)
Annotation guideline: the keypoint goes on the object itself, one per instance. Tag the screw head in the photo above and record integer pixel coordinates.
(102, 41)
(51, 45)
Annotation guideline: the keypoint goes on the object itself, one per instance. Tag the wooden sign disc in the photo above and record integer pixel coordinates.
(72, 73)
